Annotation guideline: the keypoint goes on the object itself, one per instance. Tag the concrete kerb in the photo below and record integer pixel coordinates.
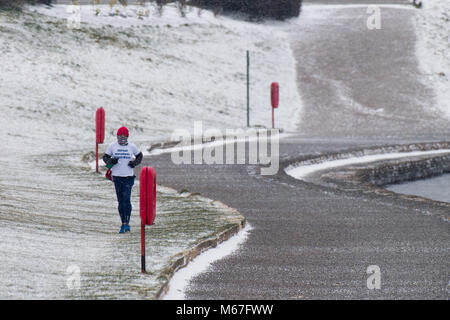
(182, 259)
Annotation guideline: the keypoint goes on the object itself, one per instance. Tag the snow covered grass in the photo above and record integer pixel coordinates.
(60, 215)
(154, 75)
(162, 73)
(433, 47)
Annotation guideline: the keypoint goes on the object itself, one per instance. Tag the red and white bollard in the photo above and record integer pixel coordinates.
(99, 132)
(147, 193)
(274, 97)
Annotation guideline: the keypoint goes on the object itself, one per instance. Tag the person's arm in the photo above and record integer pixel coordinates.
(109, 160)
(136, 161)
(138, 156)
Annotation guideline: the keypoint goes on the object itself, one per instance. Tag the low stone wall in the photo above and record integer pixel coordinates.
(379, 173)
(370, 179)
(401, 171)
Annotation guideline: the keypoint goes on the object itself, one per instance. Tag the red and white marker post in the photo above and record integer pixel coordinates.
(99, 132)
(147, 192)
(274, 97)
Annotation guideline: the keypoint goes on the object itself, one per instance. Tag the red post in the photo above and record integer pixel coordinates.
(96, 157)
(147, 202)
(143, 248)
(99, 132)
(273, 118)
(274, 97)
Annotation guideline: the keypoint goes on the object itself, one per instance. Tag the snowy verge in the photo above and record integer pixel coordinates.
(432, 49)
(170, 71)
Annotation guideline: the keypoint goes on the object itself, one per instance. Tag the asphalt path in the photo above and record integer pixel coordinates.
(359, 88)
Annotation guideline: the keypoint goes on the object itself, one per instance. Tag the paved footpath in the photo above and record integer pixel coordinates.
(311, 242)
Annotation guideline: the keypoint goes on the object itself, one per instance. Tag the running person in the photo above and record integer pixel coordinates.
(120, 154)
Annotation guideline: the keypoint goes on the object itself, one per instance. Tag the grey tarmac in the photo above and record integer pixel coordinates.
(314, 242)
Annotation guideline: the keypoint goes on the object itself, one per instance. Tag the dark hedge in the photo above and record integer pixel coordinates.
(255, 9)
(18, 3)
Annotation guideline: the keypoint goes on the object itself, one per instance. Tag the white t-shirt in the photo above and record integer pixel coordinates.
(125, 155)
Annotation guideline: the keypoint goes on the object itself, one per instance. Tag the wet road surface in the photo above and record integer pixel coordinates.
(360, 88)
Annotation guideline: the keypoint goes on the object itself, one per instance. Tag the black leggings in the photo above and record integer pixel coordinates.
(123, 191)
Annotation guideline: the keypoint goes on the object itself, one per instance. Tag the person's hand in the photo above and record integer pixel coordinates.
(132, 164)
(114, 161)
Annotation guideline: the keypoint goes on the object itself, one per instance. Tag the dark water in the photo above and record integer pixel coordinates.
(437, 188)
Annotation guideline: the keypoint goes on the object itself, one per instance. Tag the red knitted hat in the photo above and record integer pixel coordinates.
(122, 132)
